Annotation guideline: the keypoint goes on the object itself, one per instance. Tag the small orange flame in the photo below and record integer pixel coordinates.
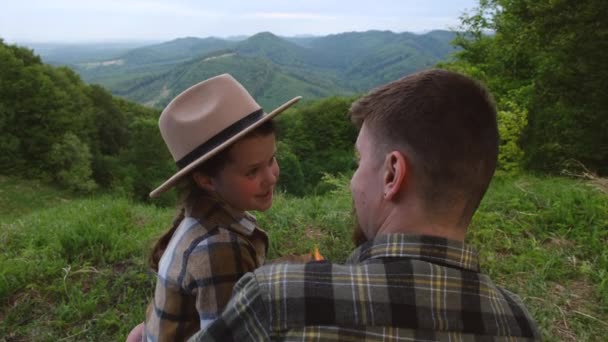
(316, 255)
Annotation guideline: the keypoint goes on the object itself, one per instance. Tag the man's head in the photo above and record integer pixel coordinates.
(430, 140)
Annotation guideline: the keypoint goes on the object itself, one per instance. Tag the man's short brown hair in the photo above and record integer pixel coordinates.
(446, 124)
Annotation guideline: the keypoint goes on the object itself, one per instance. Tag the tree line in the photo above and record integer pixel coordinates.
(58, 129)
(543, 61)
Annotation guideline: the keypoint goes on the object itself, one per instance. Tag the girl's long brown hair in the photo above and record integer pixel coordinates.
(189, 191)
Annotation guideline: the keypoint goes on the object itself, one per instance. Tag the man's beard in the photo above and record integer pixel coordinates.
(358, 236)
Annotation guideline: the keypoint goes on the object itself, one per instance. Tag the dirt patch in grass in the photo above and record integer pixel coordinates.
(21, 298)
(141, 221)
(121, 267)
(315, 234)
(579, 294)
(571, 299)
(557, 242)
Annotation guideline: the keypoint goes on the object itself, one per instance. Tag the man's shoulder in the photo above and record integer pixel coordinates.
(395, 292)
(297, 283)
(292, 274)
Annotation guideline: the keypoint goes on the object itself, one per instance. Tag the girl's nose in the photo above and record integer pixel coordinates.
(271, 174)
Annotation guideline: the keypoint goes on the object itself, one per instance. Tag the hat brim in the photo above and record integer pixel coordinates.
(173, 180)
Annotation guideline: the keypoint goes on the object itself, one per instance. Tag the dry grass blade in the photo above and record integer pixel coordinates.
(584, 173)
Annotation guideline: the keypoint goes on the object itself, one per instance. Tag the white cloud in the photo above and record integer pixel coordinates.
(288, 15)
(115, 7)
(94, 20)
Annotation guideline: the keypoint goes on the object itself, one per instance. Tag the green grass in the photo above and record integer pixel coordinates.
(546, 239)
(74, 269)
(20, 197)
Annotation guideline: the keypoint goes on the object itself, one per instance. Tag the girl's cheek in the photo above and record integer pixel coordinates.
(248, 186)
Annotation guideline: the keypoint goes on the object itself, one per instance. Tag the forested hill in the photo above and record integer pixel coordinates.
(56, 128)
(545, 66)
(272, 68)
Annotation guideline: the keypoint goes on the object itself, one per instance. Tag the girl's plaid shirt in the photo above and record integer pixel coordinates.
(211, 249)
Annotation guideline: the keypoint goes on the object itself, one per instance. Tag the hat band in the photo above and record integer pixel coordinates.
(220, 138)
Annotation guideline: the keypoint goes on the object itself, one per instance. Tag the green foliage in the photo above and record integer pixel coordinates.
(147, 159)
(545, 57)
(71, 161)
(110, 132)
(83, 138)
(321, 137)
(512, 120)
(40, 104)
(56, 128)
(291, 178)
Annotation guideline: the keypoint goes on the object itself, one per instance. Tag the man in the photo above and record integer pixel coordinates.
(427, 148)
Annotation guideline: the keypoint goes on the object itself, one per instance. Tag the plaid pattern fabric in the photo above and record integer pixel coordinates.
(397, 287)
(211, 249)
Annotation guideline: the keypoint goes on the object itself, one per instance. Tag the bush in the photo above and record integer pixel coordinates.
(71, 161)
(291, 179)
(512, 120)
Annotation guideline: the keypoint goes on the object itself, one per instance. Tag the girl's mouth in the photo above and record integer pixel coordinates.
(265, 195)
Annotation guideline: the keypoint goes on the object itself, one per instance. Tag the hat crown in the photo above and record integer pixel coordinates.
(202, 111)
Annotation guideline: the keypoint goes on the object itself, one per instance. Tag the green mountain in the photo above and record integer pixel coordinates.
(266, 81)
(174, 51)
(272, 68)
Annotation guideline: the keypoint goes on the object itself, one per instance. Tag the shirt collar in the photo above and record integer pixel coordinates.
(208, 205)
(423, 247)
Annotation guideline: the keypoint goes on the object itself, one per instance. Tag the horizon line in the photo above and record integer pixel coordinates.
(230, 37)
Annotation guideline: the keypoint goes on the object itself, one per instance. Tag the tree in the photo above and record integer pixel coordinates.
(321, 136)
(546, 57)
(291, 178)
(147, 158)
(71, 163)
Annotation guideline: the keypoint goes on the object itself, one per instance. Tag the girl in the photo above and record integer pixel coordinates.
(224, 146)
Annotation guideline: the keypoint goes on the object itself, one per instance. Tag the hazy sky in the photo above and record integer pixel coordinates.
(110, 20)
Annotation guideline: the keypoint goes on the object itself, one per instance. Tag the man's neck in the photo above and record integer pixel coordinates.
(414, 222)
(439, 231)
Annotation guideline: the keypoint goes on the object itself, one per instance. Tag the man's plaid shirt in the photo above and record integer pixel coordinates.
(394, 288)
(210, 250)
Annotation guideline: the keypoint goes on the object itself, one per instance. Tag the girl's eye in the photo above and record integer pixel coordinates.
(252, 172)
(272, 160)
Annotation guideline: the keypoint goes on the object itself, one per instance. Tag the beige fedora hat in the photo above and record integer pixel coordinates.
(205, 119)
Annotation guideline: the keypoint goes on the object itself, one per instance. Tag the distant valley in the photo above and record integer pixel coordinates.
(272, 68)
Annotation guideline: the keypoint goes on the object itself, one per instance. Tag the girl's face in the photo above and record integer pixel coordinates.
(247, 181)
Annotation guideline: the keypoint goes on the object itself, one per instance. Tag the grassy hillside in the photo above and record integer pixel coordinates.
(74, 269)
(20, 197)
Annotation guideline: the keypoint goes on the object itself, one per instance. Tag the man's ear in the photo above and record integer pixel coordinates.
(396, 173)
(203, 181)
